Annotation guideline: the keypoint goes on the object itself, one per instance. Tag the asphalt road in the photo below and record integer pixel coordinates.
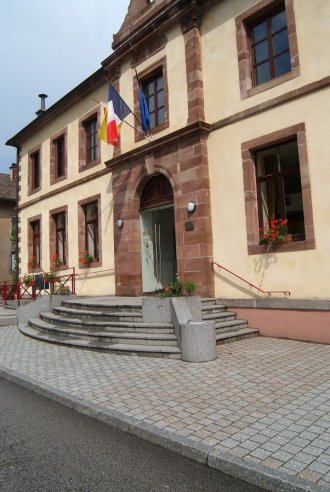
(45, 447)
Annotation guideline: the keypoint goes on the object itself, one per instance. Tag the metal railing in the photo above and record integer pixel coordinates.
(63, 283)
(268, 292)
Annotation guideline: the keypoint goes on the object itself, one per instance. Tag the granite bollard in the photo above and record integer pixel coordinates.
(198, 342)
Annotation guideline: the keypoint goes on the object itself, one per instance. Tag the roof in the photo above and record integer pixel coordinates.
(7, 188)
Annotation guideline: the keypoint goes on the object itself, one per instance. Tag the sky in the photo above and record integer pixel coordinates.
(48, 46)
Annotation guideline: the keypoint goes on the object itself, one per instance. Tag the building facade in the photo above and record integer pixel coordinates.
(7, 225)
(237, 93)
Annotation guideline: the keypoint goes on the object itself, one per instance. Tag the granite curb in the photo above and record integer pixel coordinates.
(267, 478)
(8, 320)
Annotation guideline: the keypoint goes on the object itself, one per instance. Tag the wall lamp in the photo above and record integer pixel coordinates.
(120, 223)
(191, 207)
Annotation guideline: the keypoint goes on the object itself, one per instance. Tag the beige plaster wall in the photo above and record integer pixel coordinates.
(219, 54)
(91, 281)
(304, 273)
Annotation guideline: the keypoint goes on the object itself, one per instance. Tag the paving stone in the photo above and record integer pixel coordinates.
(282, 455)
(310, 475)
(251, 445)
(272, 463)
(319, 467)
(278, 417)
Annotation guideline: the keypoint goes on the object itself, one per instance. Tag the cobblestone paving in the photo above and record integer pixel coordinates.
(265, 400)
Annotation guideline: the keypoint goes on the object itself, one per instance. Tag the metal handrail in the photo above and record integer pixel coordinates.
(268, 292)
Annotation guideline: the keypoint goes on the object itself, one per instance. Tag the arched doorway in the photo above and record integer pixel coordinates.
(158, 250)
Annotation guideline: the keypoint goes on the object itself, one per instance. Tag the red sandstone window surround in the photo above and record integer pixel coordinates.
(58, 234)
(154, 85)
(89, 149)
(272, 168)
(89, 228)
(58, 157)
(34, 241)
(267, 46)
(34, 170)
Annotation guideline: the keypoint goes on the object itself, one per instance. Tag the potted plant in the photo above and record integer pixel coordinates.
(32, 262)
(56, 260)
(51, 277)
(275, 232)
(62, 290)
(179, 288)
(86, 258)
(28, 280)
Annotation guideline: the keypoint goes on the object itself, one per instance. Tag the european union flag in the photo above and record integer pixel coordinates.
(144, 112)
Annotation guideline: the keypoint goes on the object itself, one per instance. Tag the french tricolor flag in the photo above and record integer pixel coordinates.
(114, 114)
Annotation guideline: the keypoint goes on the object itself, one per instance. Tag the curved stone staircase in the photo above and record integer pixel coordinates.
(118, 327)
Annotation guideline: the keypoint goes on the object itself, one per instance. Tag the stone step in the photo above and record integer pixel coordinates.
(227, 326)
(217, 308)
(97, 315)
(209, 301)
(120, 326)
(105, 337)
(164, 351)
(235, 336)
(219, 317)
(103, 306)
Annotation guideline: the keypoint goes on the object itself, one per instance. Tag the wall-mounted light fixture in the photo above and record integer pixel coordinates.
(120, 223)
(191, 207)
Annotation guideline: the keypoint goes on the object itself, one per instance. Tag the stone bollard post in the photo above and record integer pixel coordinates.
(198, 343)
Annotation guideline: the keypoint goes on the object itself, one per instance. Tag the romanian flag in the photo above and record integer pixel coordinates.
(114, 114)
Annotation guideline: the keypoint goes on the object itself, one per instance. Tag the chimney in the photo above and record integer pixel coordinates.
(13, 172)
(43, 104)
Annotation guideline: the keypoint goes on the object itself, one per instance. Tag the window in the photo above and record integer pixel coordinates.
(277, 186)
(91, 140)
(153, 81)
(59, 152)
(270, 47)
(89, 151)
(60, 236)
(267, 46)
(35, 170)
(58, 239)
(58, 158)
(34, 178)
(92, 229)
(35, 229)
(89, 228)
(153, 90)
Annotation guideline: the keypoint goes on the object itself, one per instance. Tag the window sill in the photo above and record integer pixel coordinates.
(34, 190)
(91, 265)
(157, 129)
(58, 180)
(255, 249)
(89, 165)
(295, 72)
